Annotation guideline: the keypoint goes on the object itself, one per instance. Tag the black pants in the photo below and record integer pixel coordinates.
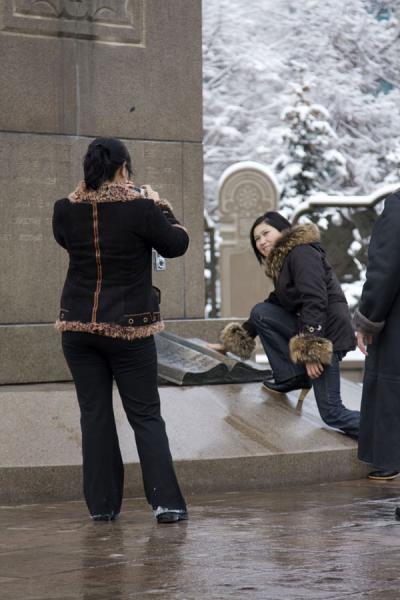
(95, 361)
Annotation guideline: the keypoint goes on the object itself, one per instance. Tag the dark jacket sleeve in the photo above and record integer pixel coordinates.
(382, 283)
(58, 225)
(168, 240)
(309, 277)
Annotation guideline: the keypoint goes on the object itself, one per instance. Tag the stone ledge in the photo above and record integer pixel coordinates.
(24, 485)
(31, 353)
(223, 438)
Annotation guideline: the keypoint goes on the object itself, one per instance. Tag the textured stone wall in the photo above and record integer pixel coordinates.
(72, 71)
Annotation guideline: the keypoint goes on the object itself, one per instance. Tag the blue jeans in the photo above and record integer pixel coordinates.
(275, 326)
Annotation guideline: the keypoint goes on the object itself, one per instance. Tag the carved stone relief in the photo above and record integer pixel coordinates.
(246, 190)
(104, 21)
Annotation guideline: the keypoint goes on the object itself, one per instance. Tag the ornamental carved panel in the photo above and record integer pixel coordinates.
(246, 191)
(103, 21)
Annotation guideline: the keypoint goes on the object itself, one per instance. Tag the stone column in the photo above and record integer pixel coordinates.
(73, 70)
(246, 191)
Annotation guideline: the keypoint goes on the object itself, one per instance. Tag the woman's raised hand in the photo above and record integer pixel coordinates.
(314, 370)
(150, 193)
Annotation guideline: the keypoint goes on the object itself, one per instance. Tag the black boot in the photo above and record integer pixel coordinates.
(105, 516)
(299, 382)
(383, 475)
(171, 516)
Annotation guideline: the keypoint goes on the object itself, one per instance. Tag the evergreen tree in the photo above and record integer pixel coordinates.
(311, 162)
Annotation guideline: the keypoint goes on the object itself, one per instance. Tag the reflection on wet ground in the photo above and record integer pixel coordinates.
(330, 541)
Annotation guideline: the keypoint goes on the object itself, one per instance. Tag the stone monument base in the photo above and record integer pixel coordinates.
(223, 438)
(38, 348)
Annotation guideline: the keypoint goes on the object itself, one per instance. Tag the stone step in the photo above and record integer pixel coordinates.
(223, 437)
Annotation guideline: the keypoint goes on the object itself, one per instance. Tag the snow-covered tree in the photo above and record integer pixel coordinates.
(350, 49)
(311, 162)
(393, 160)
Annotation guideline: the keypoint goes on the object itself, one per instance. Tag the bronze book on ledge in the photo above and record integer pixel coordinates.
(186, 361)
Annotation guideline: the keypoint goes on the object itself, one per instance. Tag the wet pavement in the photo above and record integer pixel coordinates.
(333, 541)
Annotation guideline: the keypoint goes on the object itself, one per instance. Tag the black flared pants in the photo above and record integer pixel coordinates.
(95, 362)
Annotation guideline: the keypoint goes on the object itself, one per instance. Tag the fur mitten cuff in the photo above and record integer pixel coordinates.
(308, 349)
(236, 340)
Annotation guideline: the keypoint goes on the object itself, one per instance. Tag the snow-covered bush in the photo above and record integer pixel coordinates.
(310, 162)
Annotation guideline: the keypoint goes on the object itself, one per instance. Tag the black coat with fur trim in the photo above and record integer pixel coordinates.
(378, 314)
(109, 235)
(306, 285)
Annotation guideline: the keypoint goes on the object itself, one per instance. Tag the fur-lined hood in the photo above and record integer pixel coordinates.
(116, 192)
(295, 236)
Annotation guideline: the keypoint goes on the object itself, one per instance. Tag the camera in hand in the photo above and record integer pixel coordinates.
(159, 262)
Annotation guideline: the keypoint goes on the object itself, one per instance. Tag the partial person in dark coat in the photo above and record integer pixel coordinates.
(377, 322)
(304, 325)
(109, 313)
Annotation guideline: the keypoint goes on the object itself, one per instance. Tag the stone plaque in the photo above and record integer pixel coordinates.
(246, 191)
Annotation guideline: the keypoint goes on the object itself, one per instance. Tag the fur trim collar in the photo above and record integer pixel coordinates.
(114, 192)
(295, 236)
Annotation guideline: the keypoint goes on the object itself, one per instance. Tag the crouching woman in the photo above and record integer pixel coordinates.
(304, 325)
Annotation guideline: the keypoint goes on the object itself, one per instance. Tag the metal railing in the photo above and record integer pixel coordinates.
(325, 201)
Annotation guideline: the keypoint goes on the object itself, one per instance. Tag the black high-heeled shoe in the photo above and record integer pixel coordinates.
(299, 382)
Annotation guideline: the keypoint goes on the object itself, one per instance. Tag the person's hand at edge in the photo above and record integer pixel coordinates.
(363, 341)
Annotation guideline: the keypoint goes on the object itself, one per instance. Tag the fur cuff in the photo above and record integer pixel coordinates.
(236, 340)
(366, 326)
(308, 349)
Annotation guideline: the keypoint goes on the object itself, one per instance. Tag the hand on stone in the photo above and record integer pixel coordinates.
(217, 347)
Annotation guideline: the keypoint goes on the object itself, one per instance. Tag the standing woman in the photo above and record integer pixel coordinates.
(109, 313)
(304, 325)
(377, 321)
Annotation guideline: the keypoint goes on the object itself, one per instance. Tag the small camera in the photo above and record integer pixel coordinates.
(159, 262)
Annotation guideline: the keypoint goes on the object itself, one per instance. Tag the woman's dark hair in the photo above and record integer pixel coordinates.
(271, 218)
(103, 157)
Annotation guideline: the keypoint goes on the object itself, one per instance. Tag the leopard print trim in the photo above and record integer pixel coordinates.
(115, 192)
(111, 329)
